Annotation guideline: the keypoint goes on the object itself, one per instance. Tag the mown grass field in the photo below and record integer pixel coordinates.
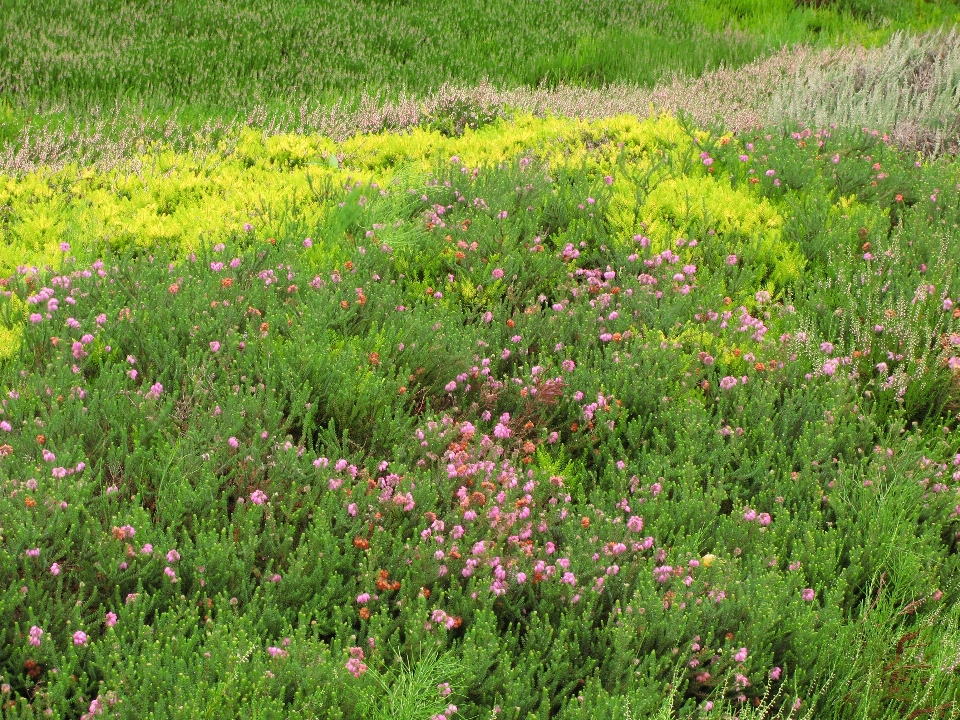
(351, 369)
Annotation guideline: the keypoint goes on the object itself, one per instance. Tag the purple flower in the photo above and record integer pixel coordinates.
(807, 594)
(635, 523)
(259, 497)
(55, 569)
(214, 346)
(110, 619)
(173, 556)
(233, 442)
(79, 638)
(36, 635)
(497, 273)
(728, 382)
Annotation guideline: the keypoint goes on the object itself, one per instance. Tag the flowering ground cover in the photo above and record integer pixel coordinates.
(556, 418)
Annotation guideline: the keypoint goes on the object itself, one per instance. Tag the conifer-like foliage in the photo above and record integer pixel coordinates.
(441, 428)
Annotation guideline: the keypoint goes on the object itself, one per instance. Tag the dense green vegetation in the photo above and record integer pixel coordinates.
(221, 57)
(481, 412)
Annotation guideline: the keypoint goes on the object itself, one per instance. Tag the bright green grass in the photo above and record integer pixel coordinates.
(216, 58)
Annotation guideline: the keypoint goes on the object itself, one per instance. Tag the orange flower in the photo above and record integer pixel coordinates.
(585, 522)
(29, 502)
(5, 450)
(226, 282)
(361, 543)
(365, 613)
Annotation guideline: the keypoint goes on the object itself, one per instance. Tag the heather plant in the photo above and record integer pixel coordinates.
(553, 418)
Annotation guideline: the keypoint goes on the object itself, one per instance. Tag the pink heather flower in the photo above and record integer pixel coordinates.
(728, 382)
(487, 317)
(750, 515)
(173, 556)
(741, 655)
(763, 519)
(55, 569)
(132, 374)
(497, 273)
(569, 579)
(521, 578)
(307, 242)
(363, 598)
(5, 426)
(128, 531)
(36, 635)
(352, 509)
(731, 259)
(79, 638)
(110, 619)
(65, 247)
(258, 497)
(155, 391)
(214, 346)
(33, 552)
(233, 442)
(501, 431)
(450, 386)
(147, 549)
(807, 594)
(568, 366)
(35, 318)
(277, 652)
(170, 573)
(775, 673)
(635, 523)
